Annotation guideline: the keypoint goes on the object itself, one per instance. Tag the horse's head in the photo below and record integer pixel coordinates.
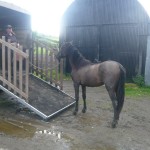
(64, 49)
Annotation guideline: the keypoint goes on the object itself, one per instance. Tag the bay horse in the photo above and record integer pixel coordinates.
(85, 73)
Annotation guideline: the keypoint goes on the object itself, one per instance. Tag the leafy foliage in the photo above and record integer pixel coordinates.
(139, 80)
(47, 40)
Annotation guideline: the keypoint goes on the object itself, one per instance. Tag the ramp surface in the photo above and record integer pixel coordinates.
(45, 97)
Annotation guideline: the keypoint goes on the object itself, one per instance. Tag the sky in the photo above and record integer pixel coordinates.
(46, 14)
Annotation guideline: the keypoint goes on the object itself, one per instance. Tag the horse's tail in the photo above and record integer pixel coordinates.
(120, 93)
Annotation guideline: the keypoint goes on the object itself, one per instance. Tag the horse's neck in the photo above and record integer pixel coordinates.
(76, 59)
(78, 63)
(71, 58)
(73, 65)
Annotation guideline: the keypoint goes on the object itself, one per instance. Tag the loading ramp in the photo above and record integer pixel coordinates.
(44, 99)
(34, 79)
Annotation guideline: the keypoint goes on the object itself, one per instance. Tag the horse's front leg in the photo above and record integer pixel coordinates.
(76, 88)
(84, 98)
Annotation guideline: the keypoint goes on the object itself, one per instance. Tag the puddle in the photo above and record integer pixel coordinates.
(16, 128)
(56, 134)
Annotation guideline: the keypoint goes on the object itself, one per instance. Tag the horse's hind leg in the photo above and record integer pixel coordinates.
(76, 88)
(113, 98)
(84, 98)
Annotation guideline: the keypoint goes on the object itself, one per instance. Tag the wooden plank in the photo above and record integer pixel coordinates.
(32, 59)
(41, 66)
(56, 71)
(20, 71)
(51, 68)
(14, 70)
(9, 64)
(61, 74)
(3, 59)
(46, 65)
(27, 76)
(37, 60)
(13, 48)
(14, 87)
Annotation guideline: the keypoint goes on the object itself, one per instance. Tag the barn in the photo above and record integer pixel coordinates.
(19, 18)
(108, 30)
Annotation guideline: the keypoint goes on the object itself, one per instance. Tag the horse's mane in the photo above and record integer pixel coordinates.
(77, 58)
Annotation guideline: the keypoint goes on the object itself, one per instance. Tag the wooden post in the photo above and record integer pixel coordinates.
(61, 74)
(46, 65)
(56, 71)
(20, 72)
(32, 59)
(9, 64)
(3, 60)
(41, 66)
(51, 68)
(37, 54)
(14, 70)
(27, 76)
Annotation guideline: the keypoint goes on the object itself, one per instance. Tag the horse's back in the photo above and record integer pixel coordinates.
(109, 71)
(110, 65)
(97, 74)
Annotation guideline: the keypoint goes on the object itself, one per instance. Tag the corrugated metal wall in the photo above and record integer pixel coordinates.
(96, 12)
(108, 30)
(120, 43)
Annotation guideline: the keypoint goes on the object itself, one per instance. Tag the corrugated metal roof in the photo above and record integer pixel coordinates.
(13, 7)
(96, 12)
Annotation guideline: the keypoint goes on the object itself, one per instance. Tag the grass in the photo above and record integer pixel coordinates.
(50, 41)
(47, 41)
(132, 90)
(67, 76)
(40, 51)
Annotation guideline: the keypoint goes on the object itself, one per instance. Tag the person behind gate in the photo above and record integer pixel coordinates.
(10, 35)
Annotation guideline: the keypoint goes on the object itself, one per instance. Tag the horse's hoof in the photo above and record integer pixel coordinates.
(114, 124)
(83, 110)
(75, 113)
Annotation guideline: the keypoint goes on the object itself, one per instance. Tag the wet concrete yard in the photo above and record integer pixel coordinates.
(16, 128)
(89, 131)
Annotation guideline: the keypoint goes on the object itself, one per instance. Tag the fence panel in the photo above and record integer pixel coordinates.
(46, 66)
(15, 68)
